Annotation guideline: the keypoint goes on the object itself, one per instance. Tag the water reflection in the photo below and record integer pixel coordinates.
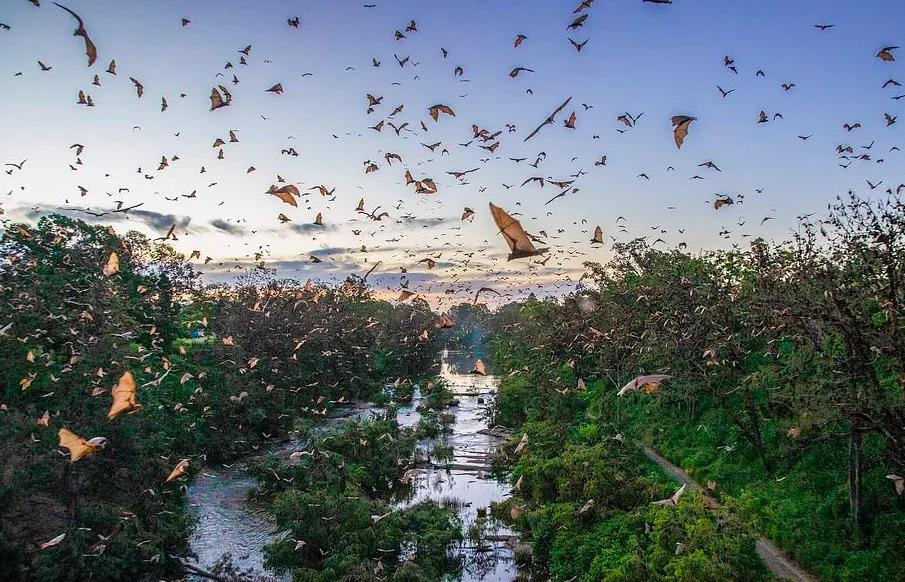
(228, 522)
(464, 480)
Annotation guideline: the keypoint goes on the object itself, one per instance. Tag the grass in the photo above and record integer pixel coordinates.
(584, 500)
(802, 506)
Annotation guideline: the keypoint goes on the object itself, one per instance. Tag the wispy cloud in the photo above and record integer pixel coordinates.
(158, 221)
(229, 227)
(310, 227)
(428, 222)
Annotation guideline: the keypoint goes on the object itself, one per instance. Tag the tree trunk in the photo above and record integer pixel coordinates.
(750, 429)
(757, 438)
(855, 462)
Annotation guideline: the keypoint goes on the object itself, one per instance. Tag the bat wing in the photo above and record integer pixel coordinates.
(549, 119)
(678, 494)
(520, 245)
(226, 94)
(560, 195)
(481, 290)
(179, 470)
(112, 265)
(124, 398)
(77, 446)
(285, 197)
(681, 131)
(641, 382)
(216, 100)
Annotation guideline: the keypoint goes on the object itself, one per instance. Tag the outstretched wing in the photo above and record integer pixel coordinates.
(287, 194)
(641, 382)
(178, 471)
(286, 197)
(681, 131)
(124, 398)
(481, 290)
(549, 120)
(519, 243)
(90, 49)
(77, 446)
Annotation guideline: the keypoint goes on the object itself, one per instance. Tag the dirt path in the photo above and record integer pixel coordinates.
(781, 566)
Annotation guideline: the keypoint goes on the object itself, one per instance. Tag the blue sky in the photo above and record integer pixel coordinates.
(661, 60)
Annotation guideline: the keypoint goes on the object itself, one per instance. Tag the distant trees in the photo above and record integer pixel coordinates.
(471, 330)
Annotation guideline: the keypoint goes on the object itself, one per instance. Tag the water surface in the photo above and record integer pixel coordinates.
(229, 522)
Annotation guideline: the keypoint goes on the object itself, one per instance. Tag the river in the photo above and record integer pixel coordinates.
(227, 521)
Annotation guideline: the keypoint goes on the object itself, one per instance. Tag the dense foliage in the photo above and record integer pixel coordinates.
(335, 506)
(786, 398)
(787, 391)
(220, 371)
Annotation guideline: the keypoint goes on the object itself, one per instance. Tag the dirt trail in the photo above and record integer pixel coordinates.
(781, 566)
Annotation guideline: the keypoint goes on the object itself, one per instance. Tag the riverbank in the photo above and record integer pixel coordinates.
(804, 493)
(780, 565)
(594, 507)
(594, 429)
(138, 409)
(441, 461)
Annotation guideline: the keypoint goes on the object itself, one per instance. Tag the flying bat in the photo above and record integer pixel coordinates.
(674, 499)
(520, 245)
(649, 383)
(124, 399)
(482, 290)
(550, 119)
(681, 123)
(436, 110)
(90, 49)
(78, 447)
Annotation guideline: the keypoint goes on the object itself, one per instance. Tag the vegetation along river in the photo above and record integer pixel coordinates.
(453, 469)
